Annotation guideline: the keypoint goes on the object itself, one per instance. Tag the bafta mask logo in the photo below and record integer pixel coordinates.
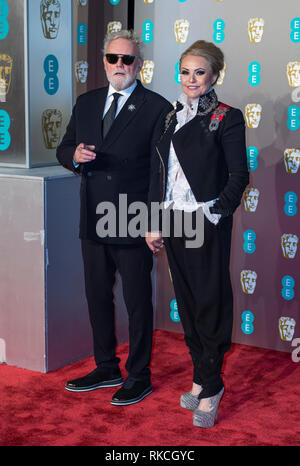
(248, 281)
(148, 1)
(6, 64)
(221, 76)
(286, 328)
(291, 160)
(81, 71)
(289, 244)
(51, 126)
(114, 26)
(255, 29)
(146, 72)
(253, 115)
(293, 73)
(181, 30)
(50, 18)
(250, 199)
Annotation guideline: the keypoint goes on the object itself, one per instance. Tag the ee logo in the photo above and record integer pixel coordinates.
(4, 127)
(293, 122)
(290, 207)
(174, 311)
(295, 30)
(81, 34)
(177, 74)
(114, 2)
(4, 26)
(249, 241)
(219, 26)
(252, 154)
(247, 322)
(147, 32)
(254, 76)
(288, 284)
(51, 82)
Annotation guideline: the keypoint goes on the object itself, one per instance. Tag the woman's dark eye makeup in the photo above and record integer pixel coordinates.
(198, 72)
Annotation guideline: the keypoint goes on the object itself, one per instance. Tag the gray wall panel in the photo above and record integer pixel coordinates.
(22, 299)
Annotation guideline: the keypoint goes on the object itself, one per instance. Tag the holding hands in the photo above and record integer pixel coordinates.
(154, 241)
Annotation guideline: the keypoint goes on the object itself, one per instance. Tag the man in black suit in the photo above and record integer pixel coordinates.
(109, 141)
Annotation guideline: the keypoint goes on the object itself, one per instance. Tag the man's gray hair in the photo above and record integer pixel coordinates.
(123, 34)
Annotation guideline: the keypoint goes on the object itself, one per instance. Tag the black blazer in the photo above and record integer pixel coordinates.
(122, 164)
(212, 156)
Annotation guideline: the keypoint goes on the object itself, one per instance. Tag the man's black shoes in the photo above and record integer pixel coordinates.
(99, 378)
(132, 392)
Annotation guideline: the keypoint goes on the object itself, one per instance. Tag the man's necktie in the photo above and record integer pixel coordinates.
(110, 115)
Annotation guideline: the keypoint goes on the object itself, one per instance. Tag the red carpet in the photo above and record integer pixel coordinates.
(260, 405)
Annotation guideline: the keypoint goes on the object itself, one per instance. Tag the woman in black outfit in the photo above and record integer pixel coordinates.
(201, 164)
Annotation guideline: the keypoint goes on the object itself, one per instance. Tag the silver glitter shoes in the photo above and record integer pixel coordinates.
(207, 419)
(189, 401)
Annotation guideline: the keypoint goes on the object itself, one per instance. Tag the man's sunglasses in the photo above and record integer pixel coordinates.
(113, 58)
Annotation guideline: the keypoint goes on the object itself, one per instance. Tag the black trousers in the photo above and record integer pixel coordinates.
(204, 297)
(134, 263)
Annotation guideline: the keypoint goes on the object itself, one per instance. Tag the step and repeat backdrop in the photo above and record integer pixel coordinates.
(261, 77)
(92, 19)
(12, 85)
(35, 77)
(50, 52)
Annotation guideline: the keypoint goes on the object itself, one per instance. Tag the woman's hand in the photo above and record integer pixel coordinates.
(154, 241)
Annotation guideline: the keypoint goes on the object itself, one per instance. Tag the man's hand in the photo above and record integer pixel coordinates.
(154, 241)
(84, 153)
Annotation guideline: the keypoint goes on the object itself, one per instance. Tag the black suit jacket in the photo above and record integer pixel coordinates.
(122, 164)
(213, 159)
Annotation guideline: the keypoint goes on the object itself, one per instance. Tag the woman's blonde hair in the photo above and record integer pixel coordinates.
(209, 51)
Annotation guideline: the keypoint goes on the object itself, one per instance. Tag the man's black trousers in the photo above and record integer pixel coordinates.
(134, 264)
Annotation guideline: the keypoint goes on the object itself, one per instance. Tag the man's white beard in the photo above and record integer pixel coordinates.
(120, 82)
